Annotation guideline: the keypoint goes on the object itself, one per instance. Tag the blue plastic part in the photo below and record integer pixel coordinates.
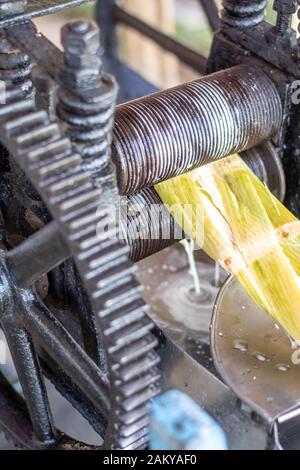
(179, 423)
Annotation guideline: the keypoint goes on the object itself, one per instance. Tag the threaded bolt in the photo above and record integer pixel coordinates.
(86, 96)
(15, 73)
(243, 13)
(285, 10)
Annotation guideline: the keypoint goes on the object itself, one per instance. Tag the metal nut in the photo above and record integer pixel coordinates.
(82, 61)
(81, 78)
(80, 37)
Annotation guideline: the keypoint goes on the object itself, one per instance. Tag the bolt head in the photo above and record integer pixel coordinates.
(80, 37)
(285, 6)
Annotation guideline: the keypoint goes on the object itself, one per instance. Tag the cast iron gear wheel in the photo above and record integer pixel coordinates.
(80, 212)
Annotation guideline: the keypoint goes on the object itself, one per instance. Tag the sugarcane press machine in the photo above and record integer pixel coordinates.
(112, 321)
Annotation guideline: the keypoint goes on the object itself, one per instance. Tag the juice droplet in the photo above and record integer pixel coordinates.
(240, 345)
(261, 357)
(282, 367)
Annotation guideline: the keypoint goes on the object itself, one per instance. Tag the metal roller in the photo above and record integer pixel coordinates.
(149, 227)
(171, 132)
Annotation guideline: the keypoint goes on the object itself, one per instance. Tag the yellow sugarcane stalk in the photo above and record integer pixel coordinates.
(246, 229)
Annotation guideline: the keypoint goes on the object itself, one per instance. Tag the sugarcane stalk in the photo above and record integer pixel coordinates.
(247, 230)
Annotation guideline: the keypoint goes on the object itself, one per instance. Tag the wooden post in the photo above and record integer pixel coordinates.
(159, 67)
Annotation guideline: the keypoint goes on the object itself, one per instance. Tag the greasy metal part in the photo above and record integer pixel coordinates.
(30, 377)
(243, 13)
(103, 264)
(254, 355)
(186, 55)
(12, 7)
(50, 60)
(147, 225)
(56, 341)
(211, 12)
(265, 161)
(15, 71)
(285, 10)
(292, 144)
(169, 133)
(86, 97)
(19, 11)
(260, 42)
(17, 426)
(29, 261)
(47, 56)
(287, 430)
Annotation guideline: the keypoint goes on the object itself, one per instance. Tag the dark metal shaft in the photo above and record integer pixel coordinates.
(37, 255)
(172, 132)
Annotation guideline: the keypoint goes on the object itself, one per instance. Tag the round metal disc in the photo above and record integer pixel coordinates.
(254, 355)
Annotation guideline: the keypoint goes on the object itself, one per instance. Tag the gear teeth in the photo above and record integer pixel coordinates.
(132, 352)
(67, 181)
(37, 136)
(14, 109)
(78, 202)
(27, 121)
(113, 275)
(128, 431)
(56, 166)
(138, 367)
(50, 150)
(138, 385)
(97, 265)
(141, 397)
(131, 443)
(131, 417)
(102, 259)
(117, 323)
(133, 333)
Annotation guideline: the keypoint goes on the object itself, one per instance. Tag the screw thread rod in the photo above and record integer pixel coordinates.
(243, 13)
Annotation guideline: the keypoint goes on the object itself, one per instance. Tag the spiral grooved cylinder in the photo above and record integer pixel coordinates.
(172, 132)
(147, 225)
(15, 73)
(243, 13)
(86, 96)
